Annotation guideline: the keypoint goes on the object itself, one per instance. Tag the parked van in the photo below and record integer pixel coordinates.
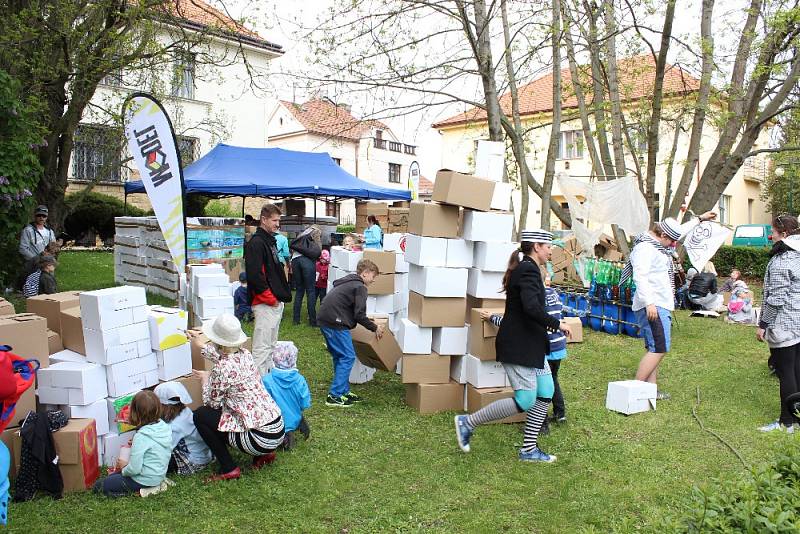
(753, 235)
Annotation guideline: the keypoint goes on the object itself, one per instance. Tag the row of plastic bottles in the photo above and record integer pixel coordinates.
(605, 277)
(601, 316)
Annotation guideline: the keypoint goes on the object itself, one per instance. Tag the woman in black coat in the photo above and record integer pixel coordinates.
(521, 346)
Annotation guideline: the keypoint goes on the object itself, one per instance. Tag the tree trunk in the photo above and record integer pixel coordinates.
(670, 166)
(598, 91)
(672, 205)
(486, 67)
(555, 128)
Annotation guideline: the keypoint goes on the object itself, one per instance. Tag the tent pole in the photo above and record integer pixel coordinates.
(315, 208)
(243, 199)
(125, 210)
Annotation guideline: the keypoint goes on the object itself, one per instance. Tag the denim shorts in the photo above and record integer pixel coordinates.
(656, 333)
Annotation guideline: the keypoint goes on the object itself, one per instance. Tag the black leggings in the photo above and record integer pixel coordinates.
(559, 409)
(207, 421)
(787, 368)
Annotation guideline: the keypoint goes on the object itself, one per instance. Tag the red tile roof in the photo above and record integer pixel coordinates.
(636, 76)
(425, 186)
(198, 12)
(324, 117)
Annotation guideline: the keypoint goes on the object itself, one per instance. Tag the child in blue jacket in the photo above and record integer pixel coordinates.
(290, 391)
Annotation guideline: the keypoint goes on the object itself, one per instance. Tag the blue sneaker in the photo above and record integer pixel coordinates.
(537, 455)
(463, 432)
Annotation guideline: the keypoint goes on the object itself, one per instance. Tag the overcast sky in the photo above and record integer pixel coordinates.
(278, 21)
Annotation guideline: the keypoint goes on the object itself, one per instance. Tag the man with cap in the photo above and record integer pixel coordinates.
(36, 236)
(651, 266)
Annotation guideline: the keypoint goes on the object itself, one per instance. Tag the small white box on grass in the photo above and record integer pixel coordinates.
(116, 345)
(414, 339)
(459, 253)
(426, 251)
(450, 341)
(483, 373)
(492, 256)
(485, 284)
(437, 281)
(167, 327)
(113, 307)
(346, 260)
(96, 410)
(75, 383)
(487, 226)
(174, 362)
(458, 369)
(132, 375)
(631, 396)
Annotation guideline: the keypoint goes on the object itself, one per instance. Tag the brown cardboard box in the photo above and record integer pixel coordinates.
(559, 277)
(195, 388)
(475, 302)
(6, 308)
(382, 285)
(382, 353)
(480, 398)
(577, 329)
(25, 404)
(76, 446)
(435, 311)
(434, 398)
(433, 220)
(463, 190)
(398, 216)
(384, 260)
(12, 440)
(482, 335)
(72, 330)
(54, 342)
(51, 306)
(198, 340)
(426, 369)
(27, 334)
(372, 208)
(613, 255)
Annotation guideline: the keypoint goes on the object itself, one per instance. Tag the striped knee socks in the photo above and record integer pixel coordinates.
(495, 411)
(533, 424)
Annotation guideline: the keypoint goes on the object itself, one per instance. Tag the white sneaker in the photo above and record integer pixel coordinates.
(776, 425)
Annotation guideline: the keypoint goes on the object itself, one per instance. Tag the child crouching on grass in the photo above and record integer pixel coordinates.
(343, 308)
(190, 453)
(290, 391)
(149, 454)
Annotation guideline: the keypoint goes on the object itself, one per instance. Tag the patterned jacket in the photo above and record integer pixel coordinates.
(781, 308)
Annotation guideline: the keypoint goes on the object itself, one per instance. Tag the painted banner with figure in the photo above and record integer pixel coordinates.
(151, 142)
(703, 241)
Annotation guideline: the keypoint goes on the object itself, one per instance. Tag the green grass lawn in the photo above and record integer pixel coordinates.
(382, 467)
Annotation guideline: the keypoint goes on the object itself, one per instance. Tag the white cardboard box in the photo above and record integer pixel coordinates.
(387, 304)
(132, 375)
(167, 327)
(437, 281)
(208, 307)
(492, 256)
(426, 251)
(112, 443)
(459, 253)
(631, 396)
(174, 362)
(119, 344)
(490, 160)
(487, 226)
(346, 260)
(96, 410)
(393, 242)
(67, 356)
(112, 307)
(360, 373)
(414, 339)
(485, 284)
(484, 374)
(501, 199)
(400, 263)
(458, 369)
(212, 284)
(75, 383)
(450, 341)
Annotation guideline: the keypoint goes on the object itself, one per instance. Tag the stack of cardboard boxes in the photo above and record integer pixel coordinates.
(142, 257)
(393, 219)
(208, 292)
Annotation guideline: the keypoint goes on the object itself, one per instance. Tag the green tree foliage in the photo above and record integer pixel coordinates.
(95, 212)
(782, 193)
(20, 136)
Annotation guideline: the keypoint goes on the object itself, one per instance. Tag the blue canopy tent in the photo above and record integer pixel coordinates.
(274, 172)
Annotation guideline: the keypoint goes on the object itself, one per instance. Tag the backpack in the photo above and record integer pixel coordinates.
(16, 376)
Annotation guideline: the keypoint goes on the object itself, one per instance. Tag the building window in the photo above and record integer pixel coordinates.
(724, 209)
(570, 145)
(96, 154)
(337, 161)
(394, 173)
(330, 209)
(187, 146)
(183, 83)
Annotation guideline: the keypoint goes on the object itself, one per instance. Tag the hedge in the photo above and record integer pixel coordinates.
(751, 261)
(94, 212)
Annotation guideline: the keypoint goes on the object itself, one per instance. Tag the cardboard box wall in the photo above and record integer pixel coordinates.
(430, 219)
(434, 398)
(26, 333)
(382, 353)
(385, 261)
(76, 446)
(6, 308)
(54, 344)
(72, 326)
(463, 190)
(51, 306)
(425, 369)
(435, 311)
(480, 398)
(475, 302)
